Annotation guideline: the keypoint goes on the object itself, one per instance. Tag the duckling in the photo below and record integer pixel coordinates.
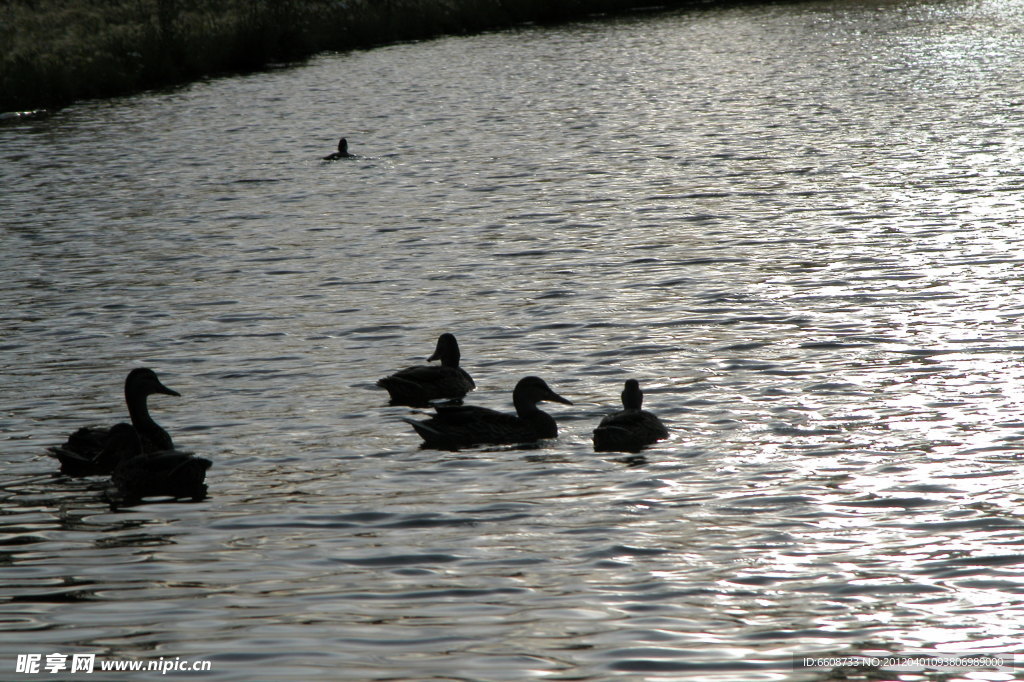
(631, 429)
(169, 473)
(417, 386)
(342, 152)
(455, 426)
(81, 452)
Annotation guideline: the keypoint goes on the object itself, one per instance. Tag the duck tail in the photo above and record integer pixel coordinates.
(427, 432)
(71, 462)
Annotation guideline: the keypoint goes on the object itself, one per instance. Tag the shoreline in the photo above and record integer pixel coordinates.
(57, 52)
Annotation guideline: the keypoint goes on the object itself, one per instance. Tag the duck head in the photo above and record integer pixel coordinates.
(447, 351)
(343, 147)
(532, 390)
(632, 396)
(143, 381)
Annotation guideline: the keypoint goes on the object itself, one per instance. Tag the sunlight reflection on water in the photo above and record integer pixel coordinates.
(796, 225)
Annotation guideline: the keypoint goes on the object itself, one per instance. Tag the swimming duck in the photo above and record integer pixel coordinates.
(417, 386)
(169, 473)
(631, 429)
(122, 442)
(456, 426)
(80, 454)
(342, 152)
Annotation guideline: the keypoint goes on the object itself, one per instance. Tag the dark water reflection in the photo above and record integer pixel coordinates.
(797, 225)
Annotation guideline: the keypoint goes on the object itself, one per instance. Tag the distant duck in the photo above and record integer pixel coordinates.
(169, 473)
(342, 152)
(631, 429)
(93, 450)
(418, 385)
(456, 426)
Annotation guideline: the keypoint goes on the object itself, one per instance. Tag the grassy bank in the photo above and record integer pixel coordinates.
(53, 52)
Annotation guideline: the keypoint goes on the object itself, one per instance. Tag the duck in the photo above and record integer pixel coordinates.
(417, 386)
(455, 426)
(122, 441)
(342, 152)
(631, 429)
(167, 473)
(91, 450)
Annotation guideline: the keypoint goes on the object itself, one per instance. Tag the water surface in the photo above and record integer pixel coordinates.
(797, 225)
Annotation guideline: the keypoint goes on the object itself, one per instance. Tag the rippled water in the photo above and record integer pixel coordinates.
(798, 226)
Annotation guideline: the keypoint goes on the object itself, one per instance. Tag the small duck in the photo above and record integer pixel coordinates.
(456, 426)
(169, 473)
(631, 429)
(342, 152)
(417, 386)
(81, 454)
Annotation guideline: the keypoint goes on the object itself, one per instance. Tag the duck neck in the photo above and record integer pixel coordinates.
(524, 407)
(632, 400)
(138, 410)
(529, 411)
(153, 437)
(540, 421)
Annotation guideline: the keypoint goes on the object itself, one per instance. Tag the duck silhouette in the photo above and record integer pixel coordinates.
(168, 473)
(122, 441)
(417, 386)
(342, 152)
(631, 429)
(91, 450)
(456, 426)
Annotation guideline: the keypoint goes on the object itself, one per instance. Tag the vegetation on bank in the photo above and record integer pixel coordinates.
(53, 52)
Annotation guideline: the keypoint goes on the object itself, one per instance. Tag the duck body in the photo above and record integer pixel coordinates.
(456, 426)
(342, 152)
(97, 451)
(631, 429)
(169, 473)
(417, 386)
(83, 452)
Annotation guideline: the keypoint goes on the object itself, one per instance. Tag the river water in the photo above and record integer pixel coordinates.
(798, 225)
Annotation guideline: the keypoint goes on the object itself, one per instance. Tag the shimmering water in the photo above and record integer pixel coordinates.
(798, 225)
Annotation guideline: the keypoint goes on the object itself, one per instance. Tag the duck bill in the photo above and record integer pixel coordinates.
(555, 398)
(435, 356)
(160, 388)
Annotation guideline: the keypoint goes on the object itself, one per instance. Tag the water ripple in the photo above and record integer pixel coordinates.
(794, 224)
